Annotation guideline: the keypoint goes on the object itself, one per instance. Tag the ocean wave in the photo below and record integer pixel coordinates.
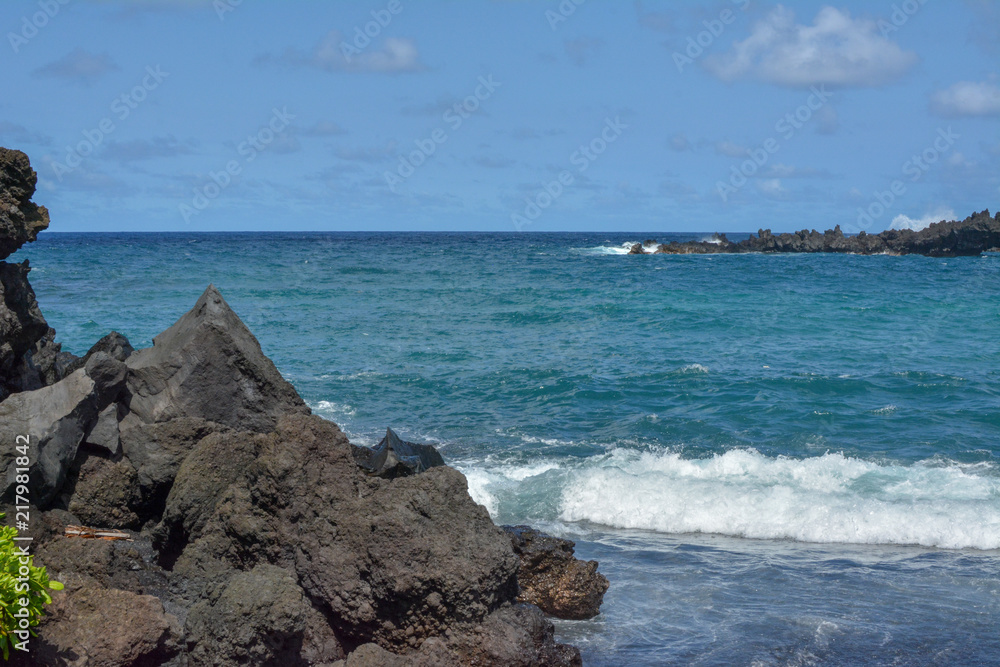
(829, 498)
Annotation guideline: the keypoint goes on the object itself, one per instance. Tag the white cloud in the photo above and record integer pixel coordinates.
(334, 54)
(836, 50)
(80, 66)
(916, 224)
(729, 149)
(772, 187)
(680, 143)
(967, 98)
(396, 55)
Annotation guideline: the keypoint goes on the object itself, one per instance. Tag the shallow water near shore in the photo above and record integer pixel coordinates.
(777, 459)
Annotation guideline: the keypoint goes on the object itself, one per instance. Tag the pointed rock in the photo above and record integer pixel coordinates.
(209, 366)
(393, 457)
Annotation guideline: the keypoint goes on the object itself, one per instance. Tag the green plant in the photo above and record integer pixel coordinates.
(24, 590)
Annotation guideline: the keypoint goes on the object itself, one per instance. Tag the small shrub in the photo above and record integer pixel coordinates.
(17, 587)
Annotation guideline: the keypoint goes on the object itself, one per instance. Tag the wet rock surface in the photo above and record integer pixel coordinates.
(552, 578)
(392, 457)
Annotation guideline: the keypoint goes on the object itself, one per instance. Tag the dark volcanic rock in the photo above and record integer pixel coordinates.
(114, 344)
(20, 219)
(156, 451)
(976, 234)
(56, 418)
(209, 366)
(21, 328)
(216, 463)
(106, 627)
(515, 636)
(269, 544)
(258, 618)
(552, 578)
(393, 457)
(389, 561)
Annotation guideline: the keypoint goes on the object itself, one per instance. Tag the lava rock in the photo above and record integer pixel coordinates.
(209, 366)
(552, 578)
(392, 457)
(20, 218)
(972, 236)
(104, 435)
(106, 627)
(21, 328)
(258, 618)
(55, 419)
(157, 452)
(114, 344)
(514, 636)
(392, 562)
(215, 464)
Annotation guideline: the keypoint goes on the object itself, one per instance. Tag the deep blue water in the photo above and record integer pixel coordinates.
(778, 460)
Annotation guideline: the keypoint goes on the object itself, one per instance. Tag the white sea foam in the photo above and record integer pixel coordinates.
(916, 224)
(694, 368)
(332, 410)
(829, 498)
(479, 482)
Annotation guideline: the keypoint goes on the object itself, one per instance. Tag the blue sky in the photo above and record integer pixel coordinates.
(207, 115)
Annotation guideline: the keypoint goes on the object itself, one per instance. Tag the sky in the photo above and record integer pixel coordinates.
(505, 115)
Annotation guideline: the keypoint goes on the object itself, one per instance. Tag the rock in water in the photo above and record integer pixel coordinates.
(552, 578)
(209, 366)
(20, 219)
(392, 457)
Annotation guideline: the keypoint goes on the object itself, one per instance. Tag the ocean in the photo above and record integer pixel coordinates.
(777, 459)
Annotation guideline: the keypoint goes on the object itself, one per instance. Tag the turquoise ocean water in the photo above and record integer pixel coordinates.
(778, 460)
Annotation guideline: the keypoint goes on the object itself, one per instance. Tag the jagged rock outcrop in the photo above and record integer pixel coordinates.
(56, 419)
(209, 366)
(20, 218)
(976, 234)
(388, 561)
(552, 578)
(392, 457)
(29, 356)
(271, 544)
(21, 328)
(114, 344)
(256, 536)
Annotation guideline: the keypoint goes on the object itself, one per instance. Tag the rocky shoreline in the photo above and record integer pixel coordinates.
(258, 534)
(976, 234)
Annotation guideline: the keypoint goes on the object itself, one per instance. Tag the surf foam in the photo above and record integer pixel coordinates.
(830, 498)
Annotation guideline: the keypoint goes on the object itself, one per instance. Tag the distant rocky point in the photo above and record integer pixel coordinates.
(259, 534)
(976, 234)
